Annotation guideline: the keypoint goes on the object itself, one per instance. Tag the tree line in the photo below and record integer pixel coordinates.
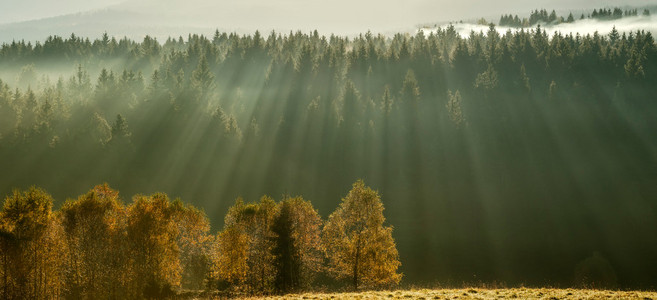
(96, 246)
(457, 130)
(542, 17)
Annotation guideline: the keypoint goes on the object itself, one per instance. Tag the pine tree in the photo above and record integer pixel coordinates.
(410, 92)
(120, 132)
(351, 108)
(27, 77)
(553, 17)
(570, 19)
(387, 102)
(287, 262)
(297, 248)
(203, 79)
(454, 108)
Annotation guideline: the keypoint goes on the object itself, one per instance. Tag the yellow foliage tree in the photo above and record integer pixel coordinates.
(230, 257)
(243, 256)
(31, 245)
(194, 243)
(94, 230)
(261, 259)
(153, 248)
(357, 244)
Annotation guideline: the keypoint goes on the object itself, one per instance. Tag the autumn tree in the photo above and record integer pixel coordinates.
(194, 243)
(32, 252)
(243, 256)
(229, 261)
(261, 259)
(357, 244)
(94, 230)
(152, 247)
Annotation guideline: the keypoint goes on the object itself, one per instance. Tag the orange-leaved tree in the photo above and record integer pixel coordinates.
(152, 247)
(243, 258)
(94, 230)
(357, 244)
(31, 247)
(194, 243)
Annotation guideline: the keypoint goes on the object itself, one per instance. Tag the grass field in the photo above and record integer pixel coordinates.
(516, 293)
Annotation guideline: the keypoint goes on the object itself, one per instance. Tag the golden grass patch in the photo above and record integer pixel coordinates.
(480, 294)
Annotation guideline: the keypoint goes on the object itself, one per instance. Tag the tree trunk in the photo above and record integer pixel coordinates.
(36, 271)
(6, 269)
(357, 260)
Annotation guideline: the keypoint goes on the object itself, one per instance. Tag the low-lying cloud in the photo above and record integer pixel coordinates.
(582, 27)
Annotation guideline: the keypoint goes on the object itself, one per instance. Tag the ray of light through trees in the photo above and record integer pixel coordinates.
(519, 157)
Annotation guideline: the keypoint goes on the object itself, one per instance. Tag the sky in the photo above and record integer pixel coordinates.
(22, 10)
(135, 18)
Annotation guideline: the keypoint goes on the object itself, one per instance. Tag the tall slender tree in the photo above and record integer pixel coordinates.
(357, 244)
(297, 248)
(94, 228)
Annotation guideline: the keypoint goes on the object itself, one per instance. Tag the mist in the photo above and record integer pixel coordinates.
(581, 27)
(173, 18)
(12, 11)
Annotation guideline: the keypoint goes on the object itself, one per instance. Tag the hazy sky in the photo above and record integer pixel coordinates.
(20, 10)
(163, 18)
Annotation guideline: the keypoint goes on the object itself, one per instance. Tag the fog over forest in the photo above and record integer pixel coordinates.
(582, 27)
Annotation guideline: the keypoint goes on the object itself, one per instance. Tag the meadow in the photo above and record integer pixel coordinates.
(479, 293)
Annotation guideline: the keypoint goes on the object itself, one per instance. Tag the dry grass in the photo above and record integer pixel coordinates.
(477, 293)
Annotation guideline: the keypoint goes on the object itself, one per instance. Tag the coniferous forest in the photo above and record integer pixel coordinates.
(542, 17)
(516, 158)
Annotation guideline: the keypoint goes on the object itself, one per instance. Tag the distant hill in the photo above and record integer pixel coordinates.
(12, 11)
(162, 19)
(92, 24)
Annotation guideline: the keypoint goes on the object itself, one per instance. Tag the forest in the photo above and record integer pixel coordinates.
(517, 158)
